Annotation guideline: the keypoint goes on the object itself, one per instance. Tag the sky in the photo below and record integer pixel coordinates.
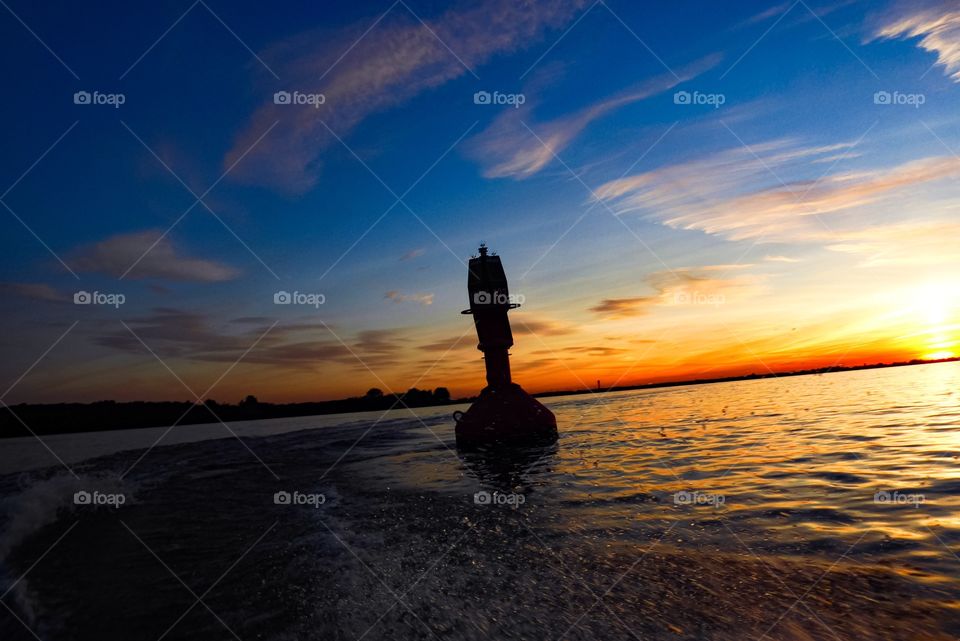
(217, 199)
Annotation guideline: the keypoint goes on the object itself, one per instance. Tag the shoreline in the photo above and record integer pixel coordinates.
(27, 419)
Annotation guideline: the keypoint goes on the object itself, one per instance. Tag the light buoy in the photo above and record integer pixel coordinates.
(504, 413)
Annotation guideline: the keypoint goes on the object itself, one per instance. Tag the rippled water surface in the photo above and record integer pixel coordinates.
(813, 507)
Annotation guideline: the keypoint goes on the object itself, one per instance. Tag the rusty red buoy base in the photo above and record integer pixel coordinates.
(506, 415)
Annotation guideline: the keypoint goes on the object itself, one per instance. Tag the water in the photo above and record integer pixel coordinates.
(726, 511)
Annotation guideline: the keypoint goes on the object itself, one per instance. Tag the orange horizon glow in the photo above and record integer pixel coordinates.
(667, 343)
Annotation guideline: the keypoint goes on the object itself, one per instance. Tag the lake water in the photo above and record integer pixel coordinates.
(813, 507)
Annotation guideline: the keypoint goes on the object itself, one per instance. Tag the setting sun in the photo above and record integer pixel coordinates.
(934, 311)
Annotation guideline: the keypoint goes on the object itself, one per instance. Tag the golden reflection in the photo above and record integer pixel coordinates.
(816, 459)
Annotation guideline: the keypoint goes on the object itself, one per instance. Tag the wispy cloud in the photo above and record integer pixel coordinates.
(508, 149)
(908, 243)
(746, 193)
(771, 12)
(194, 336)
(781, 259)
(178, 333)
(451, 344)
(524, 324)
(397, 297)
(709, 284)
(800, 13)
(35, 291)
(413, 253)
(937, 24)
(594, 351)
(398, 59)
(619, 307)
(155, 256)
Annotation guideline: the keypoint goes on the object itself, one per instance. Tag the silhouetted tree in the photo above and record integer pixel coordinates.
(249, 400)
(374, 393)
(441, 395)
(414, 397)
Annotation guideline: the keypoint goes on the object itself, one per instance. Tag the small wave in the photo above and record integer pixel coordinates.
(41, 503)
(817, 515)
(945, 486)
(841, 477)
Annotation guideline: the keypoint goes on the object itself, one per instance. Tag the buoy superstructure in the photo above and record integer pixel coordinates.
(504, 413)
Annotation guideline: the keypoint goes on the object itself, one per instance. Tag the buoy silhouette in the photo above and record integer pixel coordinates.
(504, 413)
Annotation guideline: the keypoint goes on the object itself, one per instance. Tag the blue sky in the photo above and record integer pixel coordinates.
(793, 211)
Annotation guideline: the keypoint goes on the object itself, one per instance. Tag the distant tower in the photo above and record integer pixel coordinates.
(504, 413)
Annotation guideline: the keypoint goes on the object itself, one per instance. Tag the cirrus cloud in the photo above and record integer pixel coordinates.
(936, 24)
(683, 286)
(740, 193)
(362, 73)
(397, 297)
(148, 254)
(512, 147)
(35, 291)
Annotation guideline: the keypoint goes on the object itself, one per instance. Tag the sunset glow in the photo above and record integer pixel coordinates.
(716, 209)
(471, 320)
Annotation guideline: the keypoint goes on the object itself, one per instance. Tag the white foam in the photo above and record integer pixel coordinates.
(39, 504)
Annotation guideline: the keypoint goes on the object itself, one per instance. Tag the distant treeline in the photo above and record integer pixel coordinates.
(110, 415)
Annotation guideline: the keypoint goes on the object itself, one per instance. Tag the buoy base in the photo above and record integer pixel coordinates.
(505, 415)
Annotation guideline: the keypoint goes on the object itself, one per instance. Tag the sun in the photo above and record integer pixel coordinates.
(934, 302)
(936, 308)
